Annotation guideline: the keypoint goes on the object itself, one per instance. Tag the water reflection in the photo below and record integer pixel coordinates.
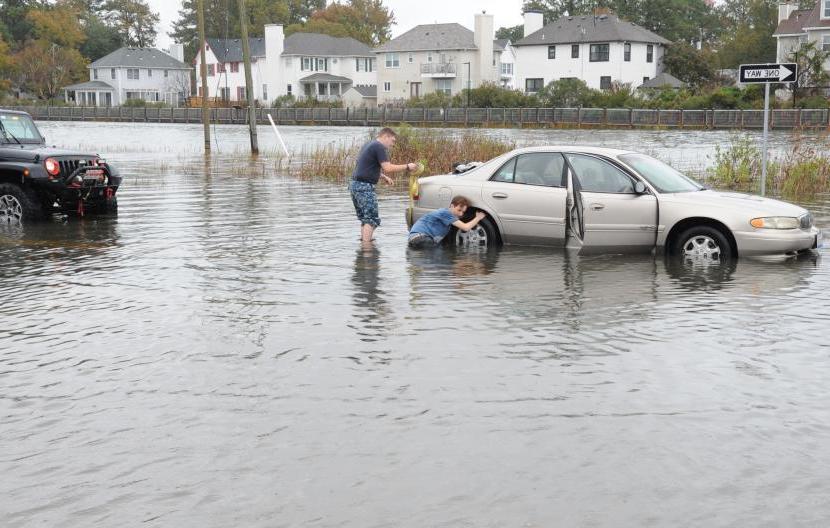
(371, 309)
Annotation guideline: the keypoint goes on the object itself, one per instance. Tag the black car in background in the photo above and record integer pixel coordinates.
(37, 180)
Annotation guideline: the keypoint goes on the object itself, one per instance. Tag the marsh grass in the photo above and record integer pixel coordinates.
(436, 150)
(802, 170)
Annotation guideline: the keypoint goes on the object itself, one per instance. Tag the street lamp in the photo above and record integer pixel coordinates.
(468, 83)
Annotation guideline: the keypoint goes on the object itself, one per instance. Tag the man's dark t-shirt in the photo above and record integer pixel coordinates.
(369, 160)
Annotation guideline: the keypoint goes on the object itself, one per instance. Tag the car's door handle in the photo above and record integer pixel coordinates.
(500, 196)
(597, 206)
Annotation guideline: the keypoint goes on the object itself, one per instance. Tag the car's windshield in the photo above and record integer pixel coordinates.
(16, 128)
(661, 176)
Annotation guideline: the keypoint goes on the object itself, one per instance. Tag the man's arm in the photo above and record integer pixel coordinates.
(391, 167)
(466, 226)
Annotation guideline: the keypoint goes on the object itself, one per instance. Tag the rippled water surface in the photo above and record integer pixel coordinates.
(226, 353)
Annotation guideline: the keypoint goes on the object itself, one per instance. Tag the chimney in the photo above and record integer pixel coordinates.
(274, 42)
(177, 52)
(534, 21)
(483, 39)
(785, 9)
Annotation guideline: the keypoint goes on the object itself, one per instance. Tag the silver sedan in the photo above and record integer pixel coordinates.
(597, 199)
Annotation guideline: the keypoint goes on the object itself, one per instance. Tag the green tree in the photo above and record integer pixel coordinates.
(134, 21)
(368, 21)
(812, 76)
(101, 38)
(748, 26)
(554, 9)
(689, 64)
(43, 68)
(5, 67)
(511, 33)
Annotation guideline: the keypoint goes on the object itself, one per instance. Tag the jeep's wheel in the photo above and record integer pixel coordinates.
(18, 204)
(106, 206)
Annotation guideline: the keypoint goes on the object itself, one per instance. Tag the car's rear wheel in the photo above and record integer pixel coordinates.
(483, 235)
(18, 204)
(703, 244)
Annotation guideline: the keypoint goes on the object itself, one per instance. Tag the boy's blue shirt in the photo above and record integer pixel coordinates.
(435, 224)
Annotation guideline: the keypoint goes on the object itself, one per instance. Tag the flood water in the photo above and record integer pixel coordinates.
(226, 353)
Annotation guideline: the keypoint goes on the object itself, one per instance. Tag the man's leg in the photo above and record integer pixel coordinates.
(366, 232)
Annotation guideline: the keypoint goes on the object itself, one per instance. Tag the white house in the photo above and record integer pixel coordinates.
(796, 26)
(134, 73)
(438, 58)
(302, 65)
(507, 61)
(600, 50)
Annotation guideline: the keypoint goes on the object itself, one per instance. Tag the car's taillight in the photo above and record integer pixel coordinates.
(52, 166)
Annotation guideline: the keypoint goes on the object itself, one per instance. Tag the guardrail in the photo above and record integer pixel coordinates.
(492, 117)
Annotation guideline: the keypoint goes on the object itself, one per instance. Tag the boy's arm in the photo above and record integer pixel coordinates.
(388, 166)
(466, 226)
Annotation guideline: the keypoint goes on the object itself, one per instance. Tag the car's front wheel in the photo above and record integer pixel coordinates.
(483, 235)
(18, 204)
(703, 244)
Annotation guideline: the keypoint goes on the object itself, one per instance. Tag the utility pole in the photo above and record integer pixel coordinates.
(200, 8)
(249, 81)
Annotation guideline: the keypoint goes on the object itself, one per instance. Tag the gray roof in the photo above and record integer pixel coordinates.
(89, 85)
(325, 46)
(431, 37)
(366, 91)
(587, 28)
(230, 50)
(325, 77)
(139, 58)
(500, 44)
(664, 79)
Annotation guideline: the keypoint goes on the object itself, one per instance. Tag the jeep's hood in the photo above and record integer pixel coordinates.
(27, 152)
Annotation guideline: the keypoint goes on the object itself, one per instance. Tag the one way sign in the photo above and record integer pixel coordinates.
(768, 73)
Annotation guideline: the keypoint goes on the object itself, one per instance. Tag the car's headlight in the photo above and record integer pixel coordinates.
(775, 222)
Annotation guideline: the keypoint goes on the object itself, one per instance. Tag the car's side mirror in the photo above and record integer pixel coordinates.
(640, 187)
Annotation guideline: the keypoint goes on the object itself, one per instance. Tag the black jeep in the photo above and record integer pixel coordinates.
(36, 180)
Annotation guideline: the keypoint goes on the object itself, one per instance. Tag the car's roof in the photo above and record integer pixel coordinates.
(573, 148)
(18, 112)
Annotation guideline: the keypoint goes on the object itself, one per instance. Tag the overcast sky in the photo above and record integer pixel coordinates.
(408, 13)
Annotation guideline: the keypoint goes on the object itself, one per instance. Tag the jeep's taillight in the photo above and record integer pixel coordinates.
(52, 166)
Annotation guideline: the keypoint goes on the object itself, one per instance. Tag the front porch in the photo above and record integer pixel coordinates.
(93, 93)
(324, 87)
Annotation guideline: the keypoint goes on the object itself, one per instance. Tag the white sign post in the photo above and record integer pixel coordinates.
(767, 74)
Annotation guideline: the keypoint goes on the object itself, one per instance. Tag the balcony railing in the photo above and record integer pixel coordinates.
(438, 69)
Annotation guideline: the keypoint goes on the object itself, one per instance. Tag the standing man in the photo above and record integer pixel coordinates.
(372, 165)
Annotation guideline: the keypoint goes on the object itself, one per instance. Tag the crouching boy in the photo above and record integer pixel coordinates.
(431, 228)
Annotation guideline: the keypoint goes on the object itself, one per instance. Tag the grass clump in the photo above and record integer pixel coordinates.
(802, 170)
(435, 150)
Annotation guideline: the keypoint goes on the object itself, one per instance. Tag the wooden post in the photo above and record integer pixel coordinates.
(579, 117)
(249, 80)
(682, 113)
(200, 22)
(800, 110)
(631, 118)
(742, 118)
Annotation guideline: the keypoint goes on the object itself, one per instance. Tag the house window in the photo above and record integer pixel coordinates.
(321, 65)
(825, 43)
(112, 73)
(574, 51)
(322, 89)
(220, 67)
(599, 53)
(429, 57)
(650, 53)
(605, 82)
(166, 73)
(371, 63)
(132, 73)
(534, 85)
(210, 70)
(826, 13)
(410, 59)
(288, 90)
(306, 65)
(265, 92)
(645, 80)
(357, 64)
(234, 67)
(627, 52)
(393, 60)
(387, 86)
(507, 68)
(95, 74)
(240, 93)
(551, 52)
(149, 72)
(443, 86)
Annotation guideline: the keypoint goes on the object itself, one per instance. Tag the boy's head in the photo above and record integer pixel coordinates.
(387, 137)
(459, 205)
